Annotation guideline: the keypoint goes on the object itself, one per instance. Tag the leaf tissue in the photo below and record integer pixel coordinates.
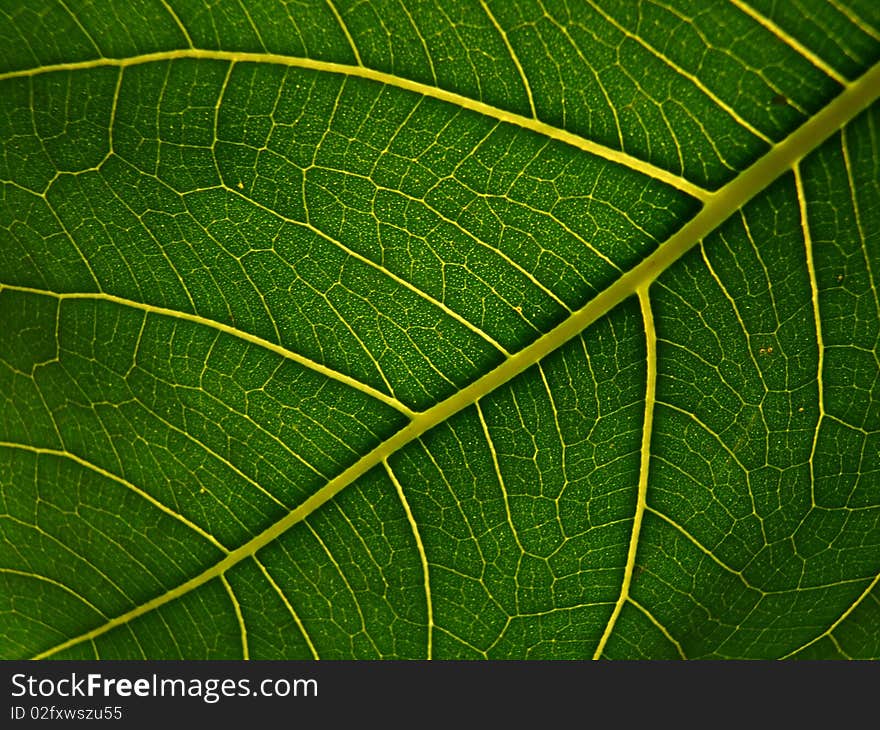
(475, 329)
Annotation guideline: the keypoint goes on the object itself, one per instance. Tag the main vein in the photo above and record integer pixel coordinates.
(718, 207)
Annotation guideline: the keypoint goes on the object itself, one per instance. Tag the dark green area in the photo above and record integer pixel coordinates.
(225, 280)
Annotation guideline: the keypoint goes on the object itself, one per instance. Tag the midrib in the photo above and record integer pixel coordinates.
(718, 207)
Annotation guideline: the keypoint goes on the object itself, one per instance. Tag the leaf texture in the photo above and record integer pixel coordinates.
(462, 330)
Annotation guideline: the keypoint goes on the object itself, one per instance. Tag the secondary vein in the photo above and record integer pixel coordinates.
(225, 328)
(548, 130)
(644, 467)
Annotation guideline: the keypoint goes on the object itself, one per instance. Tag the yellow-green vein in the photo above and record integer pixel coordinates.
(245, 652)
(118, 479)
(226, 329)
(435, 92)
(862, 596)
(288, 606)
(644, 465)
(423, 556)
(817, 320)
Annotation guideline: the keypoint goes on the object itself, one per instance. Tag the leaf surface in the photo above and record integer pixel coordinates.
(470, 330)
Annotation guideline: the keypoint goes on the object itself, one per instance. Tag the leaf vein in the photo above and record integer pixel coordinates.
(562, 135)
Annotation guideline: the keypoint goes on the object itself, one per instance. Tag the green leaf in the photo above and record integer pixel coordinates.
(462, 329)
